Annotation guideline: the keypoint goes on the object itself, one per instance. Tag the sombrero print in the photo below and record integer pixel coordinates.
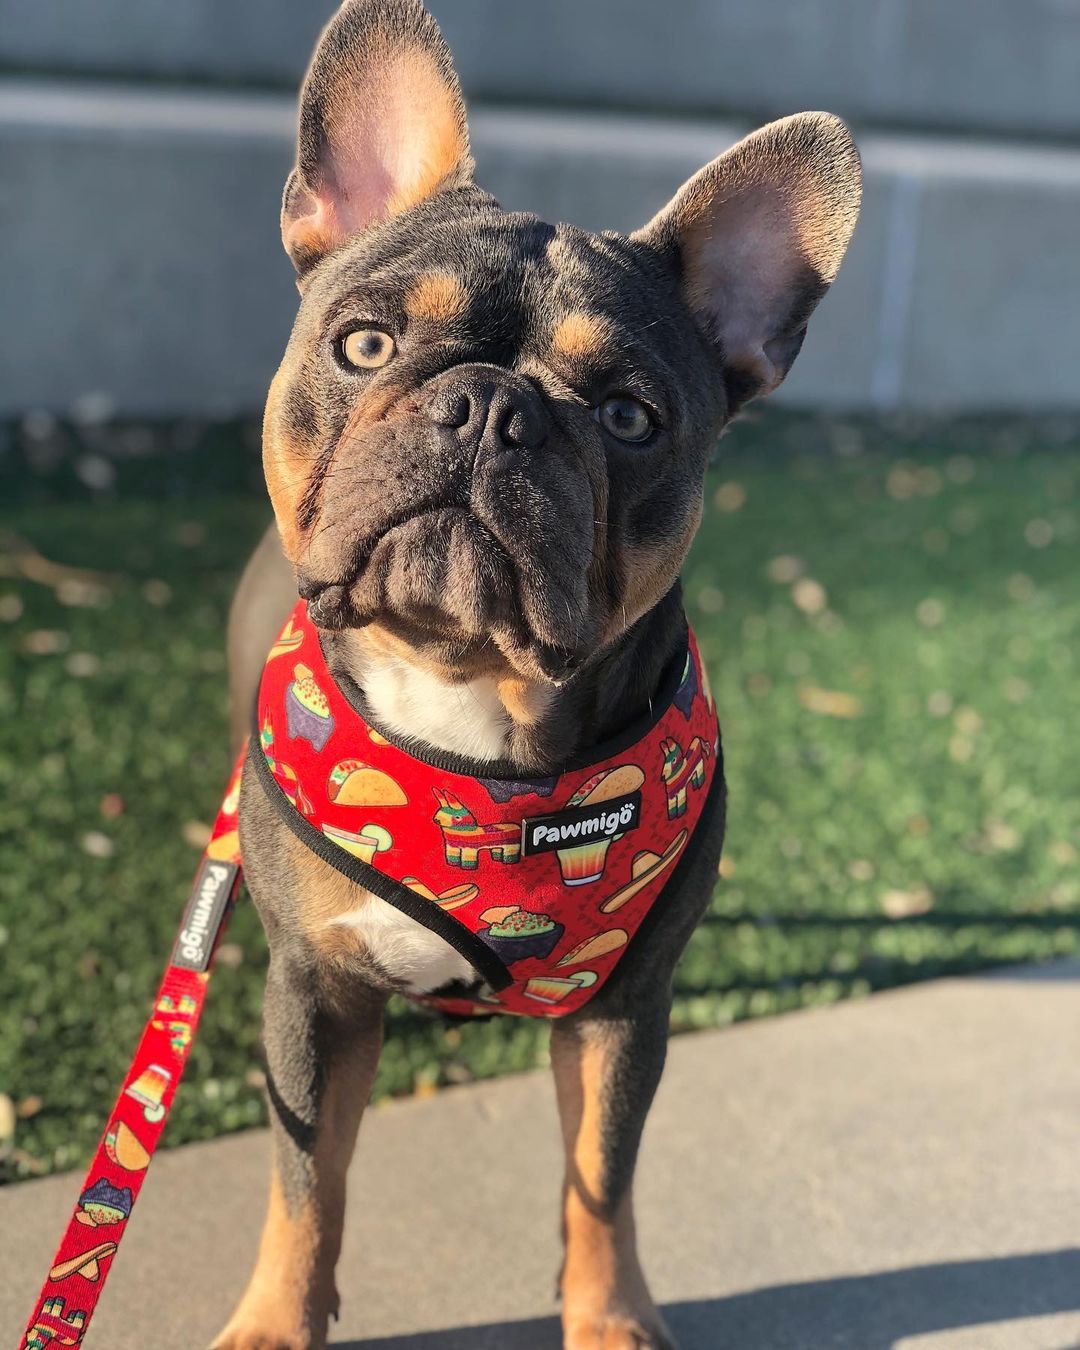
(645, 866)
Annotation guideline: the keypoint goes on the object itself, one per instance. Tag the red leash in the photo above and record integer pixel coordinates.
(85, 1256)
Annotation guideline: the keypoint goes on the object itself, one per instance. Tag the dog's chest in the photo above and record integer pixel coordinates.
(466, 719)
(406, 950)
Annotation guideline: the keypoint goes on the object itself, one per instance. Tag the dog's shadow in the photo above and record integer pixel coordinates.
(858, 1312)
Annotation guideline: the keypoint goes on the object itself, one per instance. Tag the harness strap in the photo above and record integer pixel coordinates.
(97, 1225)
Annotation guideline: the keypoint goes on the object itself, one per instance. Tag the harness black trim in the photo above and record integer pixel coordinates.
(478, 954)
(717, 793)
(503, 771)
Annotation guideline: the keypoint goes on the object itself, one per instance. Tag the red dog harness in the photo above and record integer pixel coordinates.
(540, 884)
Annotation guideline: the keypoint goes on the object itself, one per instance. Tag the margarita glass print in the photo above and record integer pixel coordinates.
(148, 1090)
(553, 988)
(364, 844)
(582, 863)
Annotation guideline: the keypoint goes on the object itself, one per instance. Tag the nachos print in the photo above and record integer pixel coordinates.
(540, 884)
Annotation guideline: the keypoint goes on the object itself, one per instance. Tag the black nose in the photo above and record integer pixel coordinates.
(491, 409)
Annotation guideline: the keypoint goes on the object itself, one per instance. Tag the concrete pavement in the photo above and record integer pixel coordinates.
(902, 1172)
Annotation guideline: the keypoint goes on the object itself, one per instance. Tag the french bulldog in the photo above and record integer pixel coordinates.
(485, 450)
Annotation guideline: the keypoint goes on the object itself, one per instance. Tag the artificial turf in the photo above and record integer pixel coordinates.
(891, 617)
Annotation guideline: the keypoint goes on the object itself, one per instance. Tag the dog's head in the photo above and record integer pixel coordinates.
(488, 435)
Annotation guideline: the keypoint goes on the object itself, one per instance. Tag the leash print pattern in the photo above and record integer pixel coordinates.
(72, 1289)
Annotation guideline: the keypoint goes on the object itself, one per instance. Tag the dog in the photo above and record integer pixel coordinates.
(485, 450)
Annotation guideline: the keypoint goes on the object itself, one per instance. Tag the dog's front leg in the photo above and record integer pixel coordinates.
(606, 1072)
(320, 1068)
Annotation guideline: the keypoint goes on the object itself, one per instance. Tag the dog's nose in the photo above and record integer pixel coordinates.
(491, 410)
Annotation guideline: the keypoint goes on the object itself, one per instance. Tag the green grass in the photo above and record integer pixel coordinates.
(892, 621)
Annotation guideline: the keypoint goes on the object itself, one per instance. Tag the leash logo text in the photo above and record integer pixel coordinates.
(204, 913)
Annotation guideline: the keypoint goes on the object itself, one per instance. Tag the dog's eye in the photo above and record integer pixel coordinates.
(368, 348)
(625, 418)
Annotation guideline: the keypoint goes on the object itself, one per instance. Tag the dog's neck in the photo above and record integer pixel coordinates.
(467, 719)
(531, 727)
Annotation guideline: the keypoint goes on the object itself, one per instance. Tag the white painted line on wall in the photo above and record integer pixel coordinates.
(74, 107)
(901, 246)
(49, 106)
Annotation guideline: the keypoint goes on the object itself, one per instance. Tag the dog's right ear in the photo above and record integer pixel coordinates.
(382, 126)
(759, 235)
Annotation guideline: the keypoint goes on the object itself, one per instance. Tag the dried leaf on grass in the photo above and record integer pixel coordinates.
(829, 702)
(19, 558)
(898, 904)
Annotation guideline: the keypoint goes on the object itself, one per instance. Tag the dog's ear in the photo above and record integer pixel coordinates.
(382, 126)
(759, 235)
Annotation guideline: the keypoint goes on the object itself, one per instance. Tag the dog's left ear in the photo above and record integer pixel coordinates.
(382, 126)
(759, 235)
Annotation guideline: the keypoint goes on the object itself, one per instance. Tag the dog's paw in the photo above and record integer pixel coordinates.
(276, 1322)
(246, 1336)
(250, 1339)
(615, 1331)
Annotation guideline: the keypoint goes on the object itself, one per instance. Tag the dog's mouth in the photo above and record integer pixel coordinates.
(442, 582)
(357, 596)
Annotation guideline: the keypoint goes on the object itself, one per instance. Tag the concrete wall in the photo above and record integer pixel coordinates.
(1006, 65)
(142, 255)
(139, 219)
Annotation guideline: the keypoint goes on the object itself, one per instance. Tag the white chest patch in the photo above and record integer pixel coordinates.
(404, 948)
(467, 719)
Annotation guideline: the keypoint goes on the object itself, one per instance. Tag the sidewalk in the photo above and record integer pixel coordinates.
(899, 1172)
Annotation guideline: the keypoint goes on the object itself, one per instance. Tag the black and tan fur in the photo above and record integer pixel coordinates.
(462, 511)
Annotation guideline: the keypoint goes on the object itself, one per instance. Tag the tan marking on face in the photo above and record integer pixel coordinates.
(438, 297)
(286, 467)
(374, 405)
(580, 335)
(651, 572)
(375, 641)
